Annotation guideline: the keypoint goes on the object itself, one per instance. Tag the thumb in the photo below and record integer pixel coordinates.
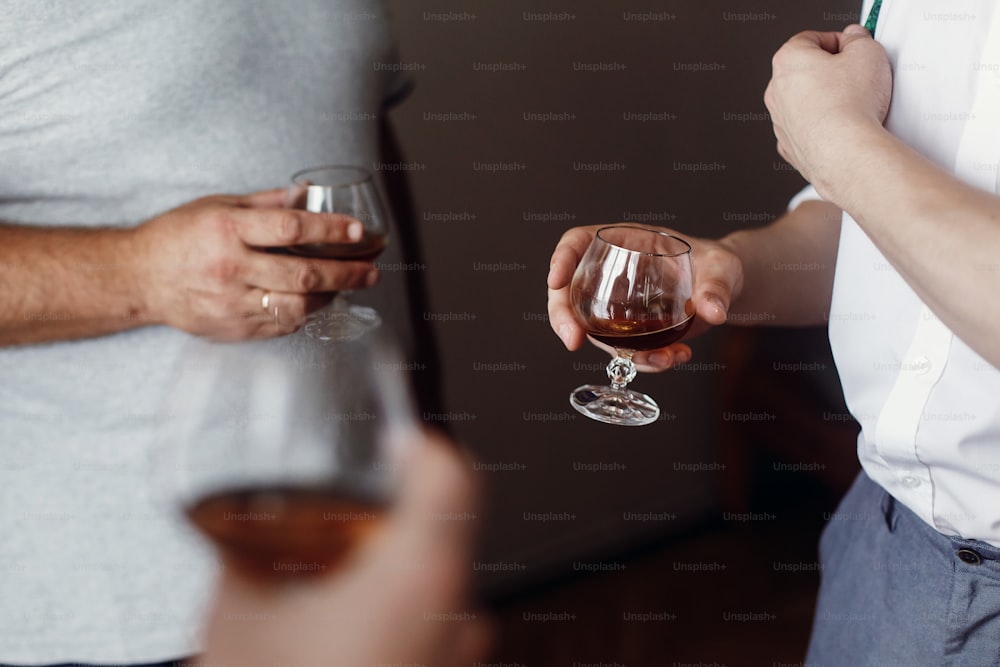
(853, 33)
(717, 280)
(712, 304)
(439, 498)
(431, 530)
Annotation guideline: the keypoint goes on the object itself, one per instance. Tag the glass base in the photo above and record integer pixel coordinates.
(622, 407)
(342, 325)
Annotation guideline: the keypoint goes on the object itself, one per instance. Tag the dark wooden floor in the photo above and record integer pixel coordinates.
(731, 594)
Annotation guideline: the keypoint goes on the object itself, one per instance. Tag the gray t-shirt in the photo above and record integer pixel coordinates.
(112, 111)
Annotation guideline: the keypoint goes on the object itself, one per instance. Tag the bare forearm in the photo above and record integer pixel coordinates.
(940, 234)
(788, 268)
(62, 283)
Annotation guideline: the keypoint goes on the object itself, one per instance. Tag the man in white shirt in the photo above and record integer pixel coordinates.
(904, 204)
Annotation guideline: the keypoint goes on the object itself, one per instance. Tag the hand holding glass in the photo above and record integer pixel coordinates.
(632, 291)
(286, 461)
(349, 191)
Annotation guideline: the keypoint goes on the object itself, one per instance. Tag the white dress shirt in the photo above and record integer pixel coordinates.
(929, 406)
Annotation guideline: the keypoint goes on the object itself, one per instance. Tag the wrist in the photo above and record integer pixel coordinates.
(132, 250)
(842, 162)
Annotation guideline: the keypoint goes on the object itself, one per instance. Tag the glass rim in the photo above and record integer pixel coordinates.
(652, 230)
(364, 175)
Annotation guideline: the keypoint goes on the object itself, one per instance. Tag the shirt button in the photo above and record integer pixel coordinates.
(921, 365)
(910, 482)
(969, 556)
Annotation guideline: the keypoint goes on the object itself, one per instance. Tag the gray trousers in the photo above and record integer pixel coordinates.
(896, 592)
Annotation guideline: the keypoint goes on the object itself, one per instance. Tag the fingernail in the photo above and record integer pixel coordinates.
(355, 231)
(716, 303)
(855, 29)
(371, 278)
(660, 359)
(565, 333)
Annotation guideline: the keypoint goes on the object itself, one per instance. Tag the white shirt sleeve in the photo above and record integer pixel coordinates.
(807, 193)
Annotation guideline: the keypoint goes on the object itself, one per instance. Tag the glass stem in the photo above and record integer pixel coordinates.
(340, 303)
(621, 370)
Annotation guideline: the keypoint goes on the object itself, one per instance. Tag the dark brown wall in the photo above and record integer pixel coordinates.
(701, 69)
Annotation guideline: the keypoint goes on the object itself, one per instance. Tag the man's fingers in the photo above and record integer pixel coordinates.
(828, 41)
(264, 199)
(717, 275)
(562, 320)
(472, 642)
(283, 308)
(712, 303)
(317, 301)
(831, 42)
(438, 484)
(567, 255)
(565, 258)
(653, 361)
(279, 227)
(286, 273)
(663, 359)
(854, 33)
(433, 525)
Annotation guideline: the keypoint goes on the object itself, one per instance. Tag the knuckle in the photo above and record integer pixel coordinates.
(260, 332)
(223, 269)
(235, 334)
(713, 253)
(296, 310)
(307, 278)
(718, 289)
(217, 217)
(289, 228)
(208, 203)
(342, 278)
(779, 57)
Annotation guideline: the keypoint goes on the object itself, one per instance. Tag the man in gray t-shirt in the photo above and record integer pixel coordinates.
(120, 124)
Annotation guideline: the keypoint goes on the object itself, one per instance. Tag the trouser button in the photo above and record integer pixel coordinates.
(969, 556)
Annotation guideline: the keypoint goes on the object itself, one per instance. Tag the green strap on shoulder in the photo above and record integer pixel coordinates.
(873, 17)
